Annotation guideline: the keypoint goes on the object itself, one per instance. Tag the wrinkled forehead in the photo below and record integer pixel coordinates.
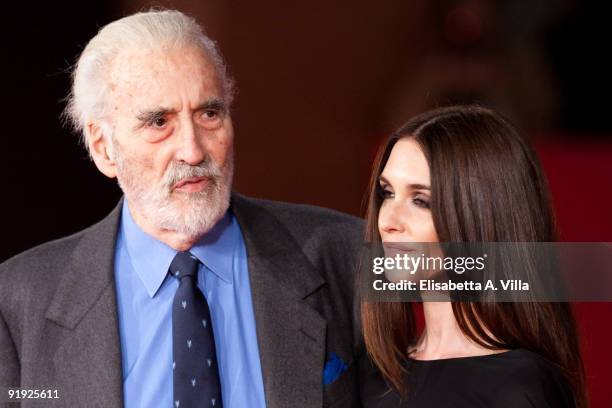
(162, 77)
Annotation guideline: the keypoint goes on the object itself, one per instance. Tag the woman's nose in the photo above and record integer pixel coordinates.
(391, 223)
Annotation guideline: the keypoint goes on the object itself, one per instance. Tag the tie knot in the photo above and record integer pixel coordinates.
(184, 264)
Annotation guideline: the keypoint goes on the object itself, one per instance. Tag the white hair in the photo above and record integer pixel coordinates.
(88, 98)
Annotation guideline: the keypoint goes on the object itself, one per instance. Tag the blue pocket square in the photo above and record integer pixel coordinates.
(334, 367)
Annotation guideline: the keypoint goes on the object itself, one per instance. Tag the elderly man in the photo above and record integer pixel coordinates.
(186, 294)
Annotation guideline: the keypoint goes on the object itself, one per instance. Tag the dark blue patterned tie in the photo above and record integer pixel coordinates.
(195, 371)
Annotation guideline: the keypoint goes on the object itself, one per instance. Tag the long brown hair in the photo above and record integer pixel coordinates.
(487, 185)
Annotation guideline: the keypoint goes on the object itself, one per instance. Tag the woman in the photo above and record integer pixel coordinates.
(463, 174)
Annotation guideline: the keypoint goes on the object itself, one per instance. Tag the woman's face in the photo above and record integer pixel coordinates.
(405, 214)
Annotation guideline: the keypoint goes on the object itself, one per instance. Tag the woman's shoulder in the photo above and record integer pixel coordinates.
(513, 379)
(529, 380)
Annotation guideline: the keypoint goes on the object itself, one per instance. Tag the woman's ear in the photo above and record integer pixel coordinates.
(98, 136)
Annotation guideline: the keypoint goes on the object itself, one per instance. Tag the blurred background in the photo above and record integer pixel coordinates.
(320, 85)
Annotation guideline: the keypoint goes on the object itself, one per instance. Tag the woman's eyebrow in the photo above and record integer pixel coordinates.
(382, 179)
(412, 186)
(419, 187)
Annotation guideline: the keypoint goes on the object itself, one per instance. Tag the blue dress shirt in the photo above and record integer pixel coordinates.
(145, 293)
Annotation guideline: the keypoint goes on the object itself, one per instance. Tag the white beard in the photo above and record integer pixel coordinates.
(192, 214)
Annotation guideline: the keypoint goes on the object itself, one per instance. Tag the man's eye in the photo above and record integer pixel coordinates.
(210, 114)
(158, 122)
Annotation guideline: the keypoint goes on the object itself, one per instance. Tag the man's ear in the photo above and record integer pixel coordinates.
(98, 136)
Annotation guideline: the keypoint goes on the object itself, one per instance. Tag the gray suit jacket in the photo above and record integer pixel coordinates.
(58, 311)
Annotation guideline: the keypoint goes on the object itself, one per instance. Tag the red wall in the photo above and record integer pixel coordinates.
(580, 176)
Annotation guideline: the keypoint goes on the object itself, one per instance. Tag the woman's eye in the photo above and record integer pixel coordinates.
(421, 202)
(384, 192)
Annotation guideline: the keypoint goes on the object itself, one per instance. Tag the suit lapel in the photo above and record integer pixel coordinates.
(291, 335)
(88, 362)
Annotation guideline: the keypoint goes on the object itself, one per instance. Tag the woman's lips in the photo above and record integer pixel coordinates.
(191, 184)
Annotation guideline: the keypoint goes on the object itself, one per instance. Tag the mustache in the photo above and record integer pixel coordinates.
(178, 171)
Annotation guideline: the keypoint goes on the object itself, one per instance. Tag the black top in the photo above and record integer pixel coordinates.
(512, 379)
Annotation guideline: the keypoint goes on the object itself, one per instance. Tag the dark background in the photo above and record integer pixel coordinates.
(320, 84)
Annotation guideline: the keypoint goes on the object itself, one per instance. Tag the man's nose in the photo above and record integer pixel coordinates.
(191, 150)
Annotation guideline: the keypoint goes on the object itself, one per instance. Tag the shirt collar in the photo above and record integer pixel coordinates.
(217, 247)
(151, 258)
